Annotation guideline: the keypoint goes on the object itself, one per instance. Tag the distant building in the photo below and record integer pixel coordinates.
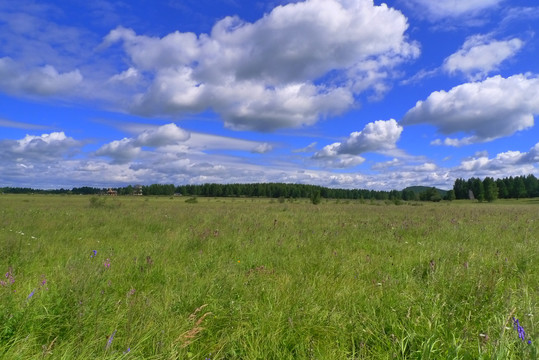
(137, 190)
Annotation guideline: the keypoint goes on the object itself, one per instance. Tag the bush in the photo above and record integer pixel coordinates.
(315, 197)
(97, 201)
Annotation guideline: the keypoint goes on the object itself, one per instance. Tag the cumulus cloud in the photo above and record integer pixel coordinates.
(468, 140)
(378, 136)
(129, 76)
(486, 110)
(127, 149)
(164, 135)
(481, 55)
(509, 162)
(42, 81)
(300, 62)
(121, 151)
(452, 9)
(43, 148)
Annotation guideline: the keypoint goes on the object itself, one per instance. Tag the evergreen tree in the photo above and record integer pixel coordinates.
(503, 193)
(490, 189)
(450, 195)
(519, 188)
(315, 197)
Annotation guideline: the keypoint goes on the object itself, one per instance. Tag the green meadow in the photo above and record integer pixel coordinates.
(161, 278)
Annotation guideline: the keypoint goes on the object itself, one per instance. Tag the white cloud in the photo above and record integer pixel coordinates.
(456, 142)
(481, 55)
(486, 110)
(44, 146)
(129, 76)
(42, 149)
(387, 164)
(262, 148)
(121, 151)
(42, 81)
(309, 148)
(127, 149)
(164, 135)
(375, 137)
(20, 125)
(509, 162)
(378, 136)
(453, 8)
(265, 75)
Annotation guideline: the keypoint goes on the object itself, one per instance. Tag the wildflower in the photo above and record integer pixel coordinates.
(94, 253)
(520, 330)
(128, 350)
(107, 263)
(9, 277)
(109, 341)
(44, 282)
(131, 292)
(31, 294)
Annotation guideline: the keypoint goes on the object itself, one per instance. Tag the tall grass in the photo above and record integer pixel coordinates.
(159, 278)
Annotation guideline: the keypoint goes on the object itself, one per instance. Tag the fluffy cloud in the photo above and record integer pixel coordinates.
(42, 81)
(486, 110)
(275, 72)
(378, 136)
(121, 151)
(164, 135)
(125, 150)
(481, 55)
(55, 145)
(509, 162)
(25, 162)
(454, 8)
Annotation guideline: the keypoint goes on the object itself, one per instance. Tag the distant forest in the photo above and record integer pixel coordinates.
(487, 189)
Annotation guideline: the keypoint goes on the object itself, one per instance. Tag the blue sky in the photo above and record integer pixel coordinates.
(339, 93)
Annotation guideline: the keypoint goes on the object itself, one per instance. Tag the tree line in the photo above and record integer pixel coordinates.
(487, 189)
(268, 190)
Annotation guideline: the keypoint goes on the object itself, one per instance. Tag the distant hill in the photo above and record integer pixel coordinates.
(420, 189)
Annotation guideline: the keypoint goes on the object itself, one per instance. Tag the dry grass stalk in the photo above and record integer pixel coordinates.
(47, 349)
(189, 336)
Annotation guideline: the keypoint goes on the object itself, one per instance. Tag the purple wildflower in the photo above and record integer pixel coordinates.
(44, 282)
(128, 350)
(109, 341)
(94, 253)
(31, 294)
(520, 330)
(107, 263)
(9, 277)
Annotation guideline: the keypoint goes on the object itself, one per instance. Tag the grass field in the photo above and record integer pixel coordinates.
(159, 278)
